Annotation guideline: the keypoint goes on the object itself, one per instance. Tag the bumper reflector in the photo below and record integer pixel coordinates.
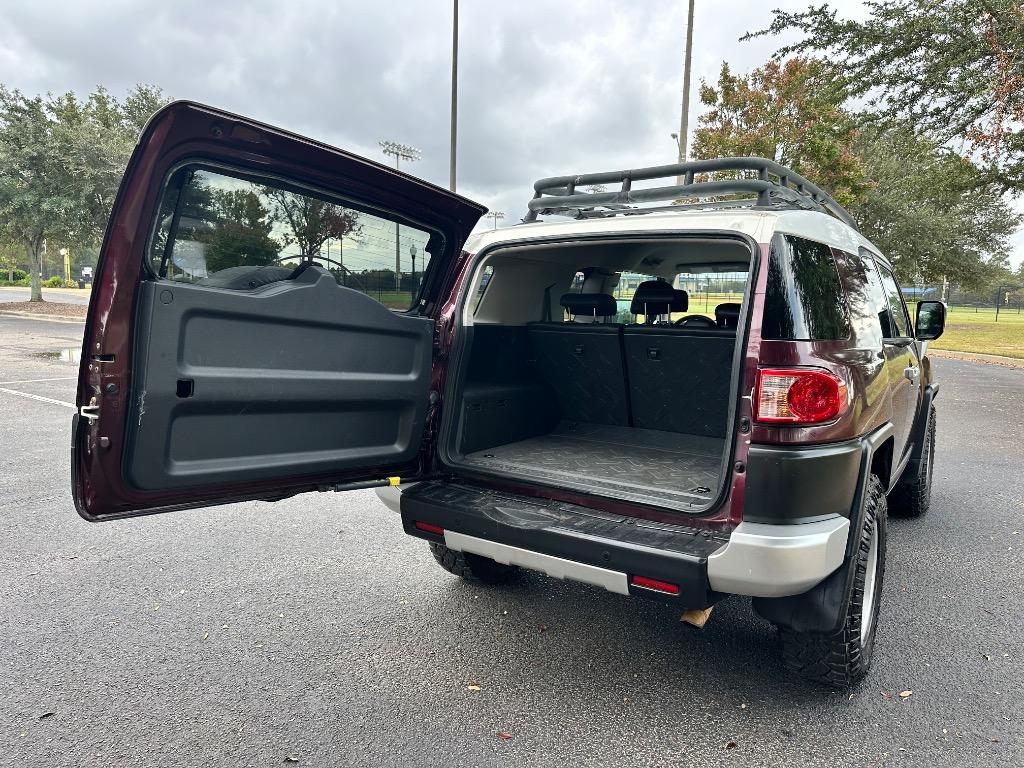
(429, 528)
(655, 584)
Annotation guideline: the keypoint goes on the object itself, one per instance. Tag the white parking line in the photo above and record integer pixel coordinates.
(37, 381)
(40, 398)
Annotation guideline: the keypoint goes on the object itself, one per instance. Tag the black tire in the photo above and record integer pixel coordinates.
(913, 493)
(471, 567)
(843, 658)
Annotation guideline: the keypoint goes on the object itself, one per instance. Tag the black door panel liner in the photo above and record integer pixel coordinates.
(640, 465)
(673, 553)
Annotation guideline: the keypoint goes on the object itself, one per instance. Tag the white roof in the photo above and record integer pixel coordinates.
(759, 225)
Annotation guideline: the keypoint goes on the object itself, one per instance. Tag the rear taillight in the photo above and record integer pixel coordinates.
(799, 396)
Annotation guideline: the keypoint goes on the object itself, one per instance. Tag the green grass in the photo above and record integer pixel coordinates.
(978, 332)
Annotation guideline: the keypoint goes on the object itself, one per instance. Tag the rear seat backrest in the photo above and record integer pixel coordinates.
(679, 378)
(583, 362)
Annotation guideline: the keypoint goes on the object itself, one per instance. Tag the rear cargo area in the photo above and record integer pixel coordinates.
(638, 415)
(583, 367)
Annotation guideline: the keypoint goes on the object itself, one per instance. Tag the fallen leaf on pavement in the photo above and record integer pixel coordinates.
(887, 695)
(46, 715)
(730, 745)
(906, 694)
(504, 735)
(291, 759)
(473, 685)
(543, 628)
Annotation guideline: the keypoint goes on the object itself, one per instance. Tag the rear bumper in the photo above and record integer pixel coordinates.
(567, 542)
(763, 560)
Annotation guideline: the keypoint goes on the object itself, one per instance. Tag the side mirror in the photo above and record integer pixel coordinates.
(931, 320)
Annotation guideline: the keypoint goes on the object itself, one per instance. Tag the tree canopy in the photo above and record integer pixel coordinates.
(789, 112)
(932, 211)
(61, 162)
(953, 69)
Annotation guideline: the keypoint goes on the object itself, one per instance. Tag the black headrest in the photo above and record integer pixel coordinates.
(680, 300)
(727, 315)
(590, 304)
(652, 297)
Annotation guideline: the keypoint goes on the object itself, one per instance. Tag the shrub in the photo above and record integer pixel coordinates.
(54, 282)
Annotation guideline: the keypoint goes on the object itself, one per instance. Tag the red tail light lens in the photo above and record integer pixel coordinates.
(799, 396)
(429, 528)
(656, 584)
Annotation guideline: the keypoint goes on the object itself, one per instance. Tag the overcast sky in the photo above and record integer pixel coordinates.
(544, 88)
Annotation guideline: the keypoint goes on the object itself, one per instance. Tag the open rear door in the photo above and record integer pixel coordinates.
(261, 319)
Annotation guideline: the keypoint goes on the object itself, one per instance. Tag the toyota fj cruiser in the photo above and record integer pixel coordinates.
(552, 399)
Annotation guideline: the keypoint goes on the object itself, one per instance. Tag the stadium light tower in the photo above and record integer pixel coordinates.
(496, 215)
(410, 154)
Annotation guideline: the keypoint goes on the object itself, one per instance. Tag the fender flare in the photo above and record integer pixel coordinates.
(823, 608)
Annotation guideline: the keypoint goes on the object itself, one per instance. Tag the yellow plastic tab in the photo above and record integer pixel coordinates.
(394, 480)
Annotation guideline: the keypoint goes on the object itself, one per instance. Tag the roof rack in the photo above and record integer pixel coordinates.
(775, 186)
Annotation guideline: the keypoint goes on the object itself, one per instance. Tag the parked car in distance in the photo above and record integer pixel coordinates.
(515, 414)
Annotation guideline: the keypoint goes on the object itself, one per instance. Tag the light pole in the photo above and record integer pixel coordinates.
(455, 94)
(684, 120)
(412, 252)
(399, 152)
(495, 215)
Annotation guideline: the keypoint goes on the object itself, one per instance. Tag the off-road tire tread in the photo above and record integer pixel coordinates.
(912, 495)
(838, 660)
(474, 568)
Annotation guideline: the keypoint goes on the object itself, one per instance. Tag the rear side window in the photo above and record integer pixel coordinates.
(869, 306)
(804, 299)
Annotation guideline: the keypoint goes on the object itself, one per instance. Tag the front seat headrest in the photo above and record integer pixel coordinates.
(680, 300)
(590, 304)
(727, 315)
(652, 297)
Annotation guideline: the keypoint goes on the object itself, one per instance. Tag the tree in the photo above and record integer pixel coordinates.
(311, 222)
(931, 211)
(242, 235)
(953, 69)
(8, 259)
(789, 112)
(61, 161)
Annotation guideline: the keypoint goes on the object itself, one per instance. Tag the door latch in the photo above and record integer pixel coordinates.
(911, 372)
(91, 412)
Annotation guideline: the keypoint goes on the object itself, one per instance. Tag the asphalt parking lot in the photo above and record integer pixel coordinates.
(314, 630)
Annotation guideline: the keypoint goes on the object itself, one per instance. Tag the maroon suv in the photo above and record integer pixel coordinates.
(657, 391)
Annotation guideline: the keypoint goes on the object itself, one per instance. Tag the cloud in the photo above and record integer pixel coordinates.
(544, 89)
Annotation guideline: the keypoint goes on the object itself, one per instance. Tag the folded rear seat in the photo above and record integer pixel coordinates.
(582, 361)
(679, 377)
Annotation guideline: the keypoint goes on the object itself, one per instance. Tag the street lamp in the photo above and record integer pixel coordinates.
(412, 252)
(399, 152)
(495, 215)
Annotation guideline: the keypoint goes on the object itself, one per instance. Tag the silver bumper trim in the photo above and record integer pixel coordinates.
(560, 568)
(765, 560)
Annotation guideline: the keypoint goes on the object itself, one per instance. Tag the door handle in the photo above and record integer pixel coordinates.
(911, 372)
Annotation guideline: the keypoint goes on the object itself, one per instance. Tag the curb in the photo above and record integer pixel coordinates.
(978, 357)
(51, 318)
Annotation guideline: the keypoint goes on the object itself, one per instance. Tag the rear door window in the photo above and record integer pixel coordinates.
(804, 299)
(227, 231)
